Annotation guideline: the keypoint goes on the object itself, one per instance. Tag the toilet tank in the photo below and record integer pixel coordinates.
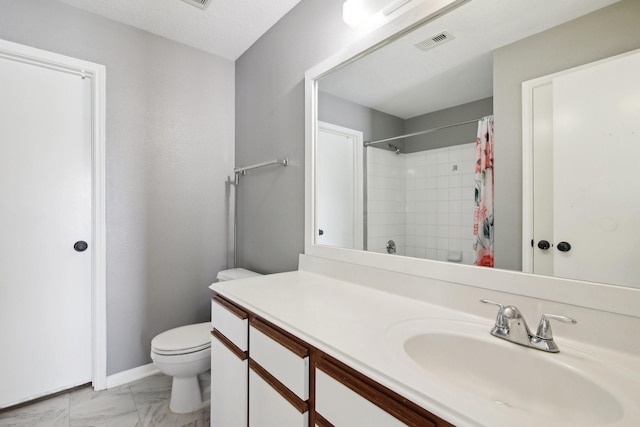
(236, 273)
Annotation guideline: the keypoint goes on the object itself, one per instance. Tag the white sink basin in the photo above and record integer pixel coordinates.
(567, 388)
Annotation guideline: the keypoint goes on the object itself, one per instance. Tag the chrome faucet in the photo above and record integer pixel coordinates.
(511, 326)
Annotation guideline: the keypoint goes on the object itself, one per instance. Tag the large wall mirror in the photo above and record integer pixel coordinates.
(395, 132)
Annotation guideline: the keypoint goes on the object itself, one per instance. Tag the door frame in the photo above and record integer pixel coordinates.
(97, 74)
(527, 151)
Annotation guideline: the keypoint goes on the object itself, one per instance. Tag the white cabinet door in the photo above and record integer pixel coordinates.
(229, 383)
(269, 408)
(229, 364)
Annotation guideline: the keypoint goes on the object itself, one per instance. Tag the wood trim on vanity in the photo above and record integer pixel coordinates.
(313, 415)
(242, 355)
(321, 421)
(386, 399)
(287, 394)
(233, 308)
(290, 342)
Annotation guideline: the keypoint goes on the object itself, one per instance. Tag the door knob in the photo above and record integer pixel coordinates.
(564, 247)
(80, 246)
(320, 232)
(544, 245)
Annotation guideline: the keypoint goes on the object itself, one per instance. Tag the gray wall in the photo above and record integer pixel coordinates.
(611, 31)
(449, 137)
(270, 123)
(372, 123)
(169, 148)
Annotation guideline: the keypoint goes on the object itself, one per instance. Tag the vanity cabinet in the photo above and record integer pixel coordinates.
(263, 376)
(229, 364)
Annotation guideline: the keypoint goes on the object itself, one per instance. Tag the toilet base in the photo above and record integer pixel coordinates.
(186, 395)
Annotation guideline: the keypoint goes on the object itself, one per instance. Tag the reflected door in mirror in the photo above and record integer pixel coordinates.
(339, 215)
(592, 152)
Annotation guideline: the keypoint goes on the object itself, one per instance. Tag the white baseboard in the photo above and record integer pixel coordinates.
(130, 375)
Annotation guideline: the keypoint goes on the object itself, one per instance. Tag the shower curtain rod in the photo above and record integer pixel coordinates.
(243, 170)
(422, 132)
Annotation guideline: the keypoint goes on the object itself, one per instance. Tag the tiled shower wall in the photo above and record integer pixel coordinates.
(386, 200)
(423, 202)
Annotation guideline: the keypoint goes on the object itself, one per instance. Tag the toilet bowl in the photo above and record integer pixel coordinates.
(185, 352)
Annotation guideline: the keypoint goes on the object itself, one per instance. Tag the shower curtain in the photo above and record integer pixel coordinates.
(483, 214)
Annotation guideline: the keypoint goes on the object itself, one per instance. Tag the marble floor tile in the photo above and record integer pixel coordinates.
(152, 399)
(143, 403)
(159, 414)
(150, 390)
(52, 412)
(113, 407)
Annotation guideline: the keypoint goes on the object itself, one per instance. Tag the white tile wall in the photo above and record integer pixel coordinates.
(385, 200)
(437, 188)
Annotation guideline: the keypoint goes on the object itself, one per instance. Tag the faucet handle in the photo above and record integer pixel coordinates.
(486, 301)
(544, 328)
(501, 322)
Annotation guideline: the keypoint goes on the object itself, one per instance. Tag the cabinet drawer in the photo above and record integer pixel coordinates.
(231, 321)
(283, 357)
(343, 407)
(269, 408)
(346, 398)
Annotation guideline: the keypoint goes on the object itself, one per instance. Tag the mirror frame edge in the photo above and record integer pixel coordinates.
(599, 296)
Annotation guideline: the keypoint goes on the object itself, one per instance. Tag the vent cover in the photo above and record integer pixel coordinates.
(201, 4)
(434, 41)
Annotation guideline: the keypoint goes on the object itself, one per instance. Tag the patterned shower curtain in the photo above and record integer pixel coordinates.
(483, 214)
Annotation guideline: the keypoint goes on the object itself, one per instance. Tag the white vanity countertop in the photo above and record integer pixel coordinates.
(350, 322)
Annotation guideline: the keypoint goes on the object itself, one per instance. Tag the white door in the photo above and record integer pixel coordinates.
(587, 180)
(596, 155)
(339, 216)
(45, 196)
(543, 179)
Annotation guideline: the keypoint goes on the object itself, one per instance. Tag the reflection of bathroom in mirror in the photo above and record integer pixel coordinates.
(438, 81)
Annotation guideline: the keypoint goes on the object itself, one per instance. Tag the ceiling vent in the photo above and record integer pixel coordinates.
(434, 41)
(201, 4)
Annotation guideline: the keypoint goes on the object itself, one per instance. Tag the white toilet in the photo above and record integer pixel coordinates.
(185, 352)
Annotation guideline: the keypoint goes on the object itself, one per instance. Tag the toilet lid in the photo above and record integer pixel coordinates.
(185, 339)
(236, 273)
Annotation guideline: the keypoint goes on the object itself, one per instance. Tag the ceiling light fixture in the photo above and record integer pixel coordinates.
(356, 12)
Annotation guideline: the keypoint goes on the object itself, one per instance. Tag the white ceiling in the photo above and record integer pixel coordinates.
(227, 28)
(406, 82)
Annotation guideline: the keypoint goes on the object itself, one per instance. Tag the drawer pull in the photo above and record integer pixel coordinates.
(242, 355)
(287, 394)
(231, 307)
(287, 342)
